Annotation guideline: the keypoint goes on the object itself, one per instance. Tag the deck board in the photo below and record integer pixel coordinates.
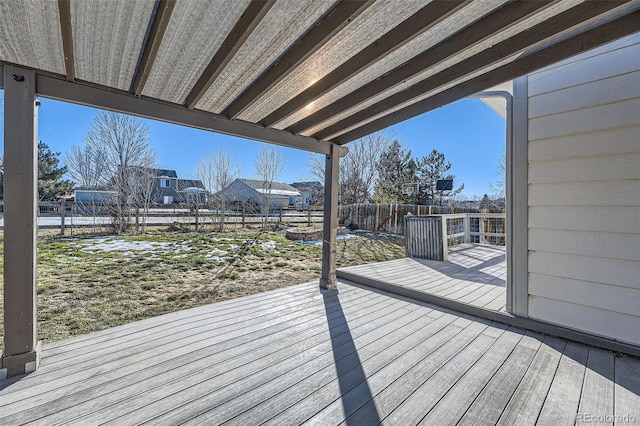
(475, 274)
(627, 389)
(294, 355)
(561, 404)
(597, 391)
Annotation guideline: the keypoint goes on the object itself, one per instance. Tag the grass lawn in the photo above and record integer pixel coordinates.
(87, 284)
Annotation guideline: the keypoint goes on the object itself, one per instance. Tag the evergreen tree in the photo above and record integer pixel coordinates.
(395, 168)
(430, 169)
(51, 186)
(485, 203)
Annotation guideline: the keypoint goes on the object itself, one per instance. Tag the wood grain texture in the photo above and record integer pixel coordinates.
(351, 357)
(474, 274)
(561, 404)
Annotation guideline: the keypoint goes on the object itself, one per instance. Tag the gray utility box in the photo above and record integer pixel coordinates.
(423, 237)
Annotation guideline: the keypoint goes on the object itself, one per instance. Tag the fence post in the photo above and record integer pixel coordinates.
(63, 211)
(243, 210)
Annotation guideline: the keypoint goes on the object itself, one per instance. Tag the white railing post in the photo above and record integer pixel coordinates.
(445, 238)
(483, 239)
(467, 228)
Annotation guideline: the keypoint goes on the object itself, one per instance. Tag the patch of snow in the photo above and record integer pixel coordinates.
(269, 245)
(219, 252)
(218, 258)
(129, 247)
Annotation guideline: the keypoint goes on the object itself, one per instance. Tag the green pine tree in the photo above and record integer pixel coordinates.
(395, 168)
(51, 186)
(430, 169)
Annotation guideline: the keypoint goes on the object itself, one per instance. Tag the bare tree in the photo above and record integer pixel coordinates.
(267, 167)
(121, 145)
(359, 168)
(316, 166)
(142, 189)
(85, 167)
(217, 171)
(499, 187)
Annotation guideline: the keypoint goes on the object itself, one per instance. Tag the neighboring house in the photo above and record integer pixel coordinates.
(253, 192)
(190, 191)
(311, 193)
(83, 195)
(168, 189)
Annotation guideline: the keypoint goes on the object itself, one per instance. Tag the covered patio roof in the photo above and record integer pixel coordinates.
(307, 74)
(301, 73)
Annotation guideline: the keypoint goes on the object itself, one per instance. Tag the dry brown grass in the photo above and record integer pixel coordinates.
(83, 289)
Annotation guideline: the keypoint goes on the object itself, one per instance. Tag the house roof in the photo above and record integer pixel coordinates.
(277, 188)
(305, 74)
(189, 183)
(166, 173)
(170, 173)
(307, 185)
(95, 189)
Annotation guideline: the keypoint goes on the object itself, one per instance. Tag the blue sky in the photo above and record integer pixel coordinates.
(469, 133)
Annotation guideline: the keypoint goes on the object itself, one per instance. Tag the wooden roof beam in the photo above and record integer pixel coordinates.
(150, 51)
(527, 39)
(582, 42)
(64, 10)
(416, 24)
(503, 18)
(250, 19)
(338, 18)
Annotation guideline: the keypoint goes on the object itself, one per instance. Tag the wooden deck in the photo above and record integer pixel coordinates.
(475, 274)
(295, 355)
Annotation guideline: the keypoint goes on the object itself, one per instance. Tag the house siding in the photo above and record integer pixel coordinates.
(584, 192)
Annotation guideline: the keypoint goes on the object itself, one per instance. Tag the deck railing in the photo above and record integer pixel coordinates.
(430, 236)
(481, 228)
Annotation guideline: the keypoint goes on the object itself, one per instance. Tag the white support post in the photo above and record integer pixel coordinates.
(445, 238)
(517, 202)
(21, 351)
(467, 228)
(330, 226)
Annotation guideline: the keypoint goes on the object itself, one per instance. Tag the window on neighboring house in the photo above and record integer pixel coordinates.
(165, 183)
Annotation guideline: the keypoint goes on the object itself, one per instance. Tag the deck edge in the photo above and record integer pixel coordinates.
(503, 317)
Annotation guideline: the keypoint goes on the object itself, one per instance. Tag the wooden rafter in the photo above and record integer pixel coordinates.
(64, 10)
(501, 19)
(339, 17)
(527, 39)
(418, 23)
(587, 40)
(158, 28)
(252, 16)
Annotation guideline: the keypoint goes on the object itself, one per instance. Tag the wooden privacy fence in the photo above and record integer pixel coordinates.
(387, 217)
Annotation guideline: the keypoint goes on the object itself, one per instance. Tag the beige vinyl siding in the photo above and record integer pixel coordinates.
(584, 192)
